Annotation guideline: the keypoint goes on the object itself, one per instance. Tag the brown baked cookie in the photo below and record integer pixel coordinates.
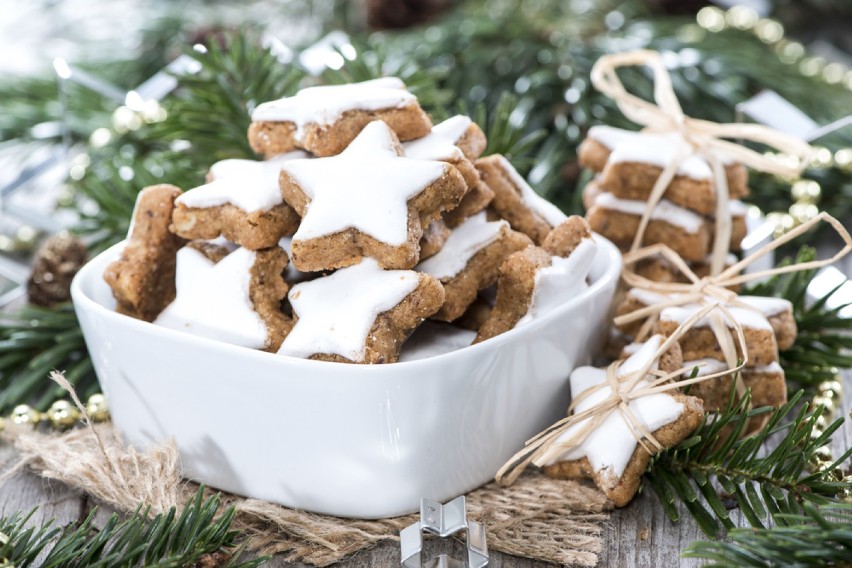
(475, 315)
(367, 201)
(631, 162)
(241, 201)
(475, 200)
(609, 454)
(457, 141)
(700, 342)
(685, 232)
(359, 314)
(433, 239)
(232, 297)
(143, 278)
(470, 261)
(535, 280)
(324, 120)
(658, 269)
(514, 200)
(767, 384)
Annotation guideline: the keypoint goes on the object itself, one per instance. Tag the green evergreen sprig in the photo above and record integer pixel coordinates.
(198, 534)
(209, 114)
(33, 342)
(766, 486)
(817, 537)
(823, 342)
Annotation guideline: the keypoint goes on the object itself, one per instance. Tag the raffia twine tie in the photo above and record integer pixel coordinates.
(701, 137)
(713, 295)
(712, 289)
(624, 388)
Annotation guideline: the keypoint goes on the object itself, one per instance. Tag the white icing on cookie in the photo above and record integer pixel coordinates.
(336, 312)
(651, 148)
(748, 318)
(466, 240)
(435, 338)
(767, 305)
(213, 299)
(705, 366)
(737, 208)
(366, 187)
(610, 446)
(440, 144)
(665, 211)
(292, 274)
(547, 210)
(561, 281)
(710, 366)
(325, 105)
(247, 184)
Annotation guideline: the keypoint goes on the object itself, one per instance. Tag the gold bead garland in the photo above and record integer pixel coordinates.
(806, 193)
(826, 402)
(61, 415)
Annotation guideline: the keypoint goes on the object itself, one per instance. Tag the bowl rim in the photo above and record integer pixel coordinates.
(82, 301)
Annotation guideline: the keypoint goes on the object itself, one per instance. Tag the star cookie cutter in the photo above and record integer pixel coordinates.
(443, 520)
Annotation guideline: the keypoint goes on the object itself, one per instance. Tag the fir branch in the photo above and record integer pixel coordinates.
(823, 342)
(170, 540)
(766, 486)
(820, 536)
(35, 341)
(211, 108)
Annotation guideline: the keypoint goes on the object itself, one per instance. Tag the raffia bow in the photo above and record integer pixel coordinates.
(713, 293)
(701, 137)
(546, 446)
(716, 288)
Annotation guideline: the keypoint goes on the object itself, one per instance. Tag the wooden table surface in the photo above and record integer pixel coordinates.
(638, 535)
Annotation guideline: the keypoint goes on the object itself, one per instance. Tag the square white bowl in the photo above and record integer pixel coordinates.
(364, 441)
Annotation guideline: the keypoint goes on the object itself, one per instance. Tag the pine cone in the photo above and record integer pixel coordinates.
(54, 266)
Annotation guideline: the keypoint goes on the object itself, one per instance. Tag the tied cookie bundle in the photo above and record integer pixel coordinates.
(364, 220)
(676, 182)
(691, 327)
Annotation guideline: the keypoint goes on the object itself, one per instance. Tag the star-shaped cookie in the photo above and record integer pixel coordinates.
(325, 119)
(359, 314)
(610, 453)
(234, 300)
(241, 202)
(367, 201)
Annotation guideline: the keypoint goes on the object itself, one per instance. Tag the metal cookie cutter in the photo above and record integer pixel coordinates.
(444, 521)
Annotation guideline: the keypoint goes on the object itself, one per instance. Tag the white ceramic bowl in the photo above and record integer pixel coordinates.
(349, 440)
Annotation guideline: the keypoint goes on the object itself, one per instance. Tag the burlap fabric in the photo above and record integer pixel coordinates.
(540, 518)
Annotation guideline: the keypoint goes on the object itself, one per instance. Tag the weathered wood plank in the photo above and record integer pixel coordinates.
(23, 491)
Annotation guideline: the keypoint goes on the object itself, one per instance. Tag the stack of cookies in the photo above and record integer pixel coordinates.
(627, 165)
(364, 220)
(768, 325)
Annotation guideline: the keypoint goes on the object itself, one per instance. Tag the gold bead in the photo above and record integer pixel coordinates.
(812, 66)
(828, 404)
(820, 424)
(97, 408)
(63, 414)
(782, 222)
(823, 454)
(24, 414)
(820, 158)
(807, 190)
(843, 157)
(833, 386)
(834, 73)
(769, 31)
(803, 212)
(742, 17)
(711, 19)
